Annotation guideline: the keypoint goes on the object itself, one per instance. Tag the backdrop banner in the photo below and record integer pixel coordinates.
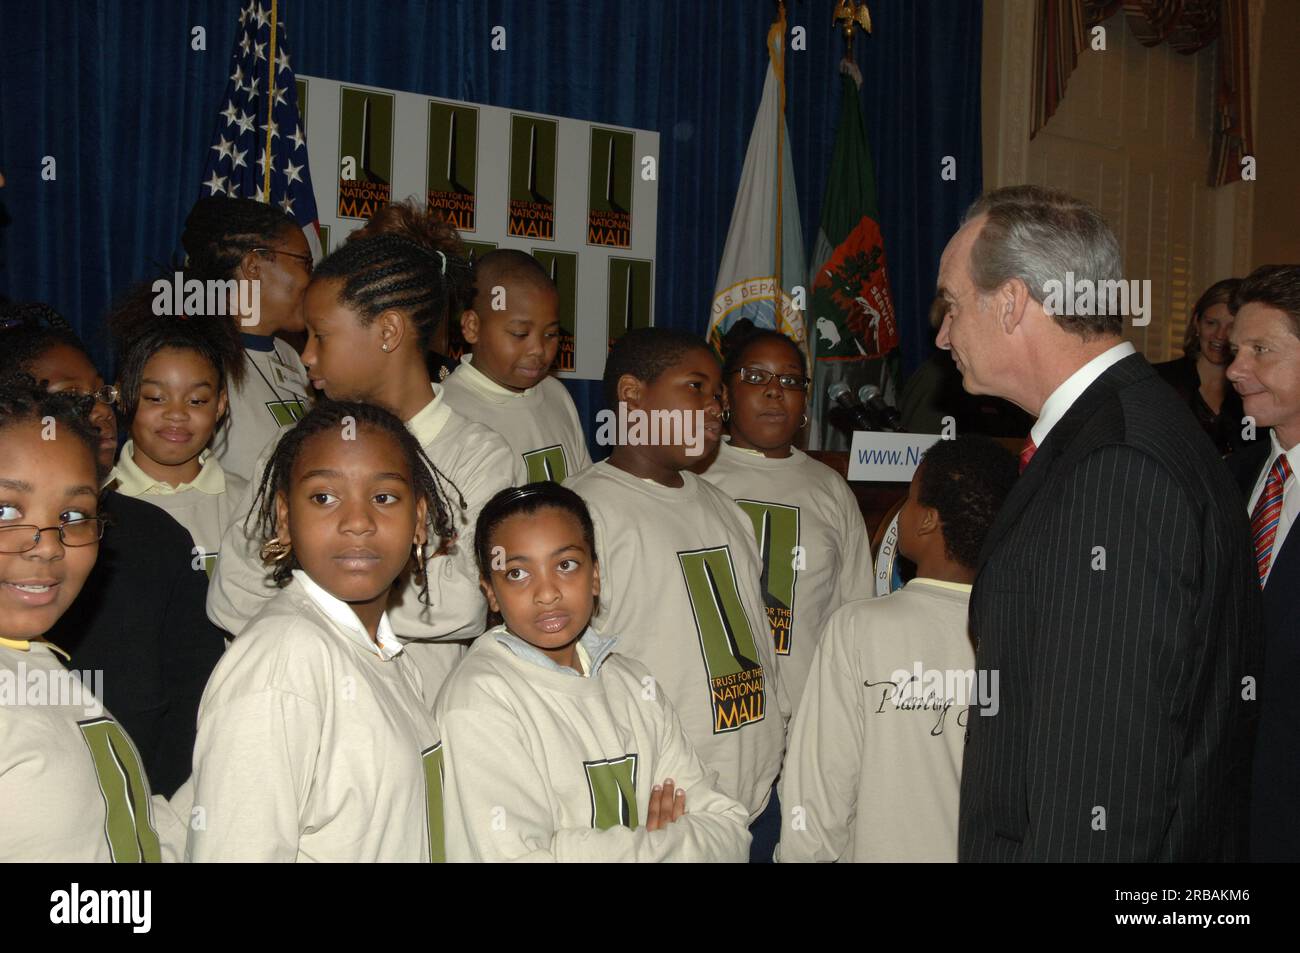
(581, 197)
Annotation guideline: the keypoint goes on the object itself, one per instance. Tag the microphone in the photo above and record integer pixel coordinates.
(842, 395)
(887, 417)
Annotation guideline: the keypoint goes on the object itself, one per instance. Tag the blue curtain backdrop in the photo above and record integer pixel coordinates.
(112, 90)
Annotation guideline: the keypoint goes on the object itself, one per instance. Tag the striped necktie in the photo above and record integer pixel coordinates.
(1027, 453)
(1263, 522)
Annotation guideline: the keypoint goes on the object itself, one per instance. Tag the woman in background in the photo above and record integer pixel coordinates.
(1200, 375)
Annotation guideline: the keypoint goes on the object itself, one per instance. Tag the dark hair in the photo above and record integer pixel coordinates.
(742, 335)
(508, 265)
(526, 500)
(139, 334)
(326, 415)
(966, 480)
(24, 400)
(396, 271)
(29, 330)
(1276, 286)
(645, 353)
(1220, 292)
(220, 231)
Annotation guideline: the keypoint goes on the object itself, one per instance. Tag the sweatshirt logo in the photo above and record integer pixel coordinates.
(286, 412)
(612, 785)
(128, 824)
(726, 638)
(548, 463)
(433, 780)
(776, 527)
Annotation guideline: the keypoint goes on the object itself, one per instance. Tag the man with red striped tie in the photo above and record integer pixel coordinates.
(1266, 372)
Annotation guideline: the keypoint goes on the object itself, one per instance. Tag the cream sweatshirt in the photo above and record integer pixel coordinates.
(679, 576)
(874, 767)
(815, 551)
(544, 765)
(274, 396)
(314, 743)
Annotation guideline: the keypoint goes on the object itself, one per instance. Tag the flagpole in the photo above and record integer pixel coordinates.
(270, 107)
(779, 297)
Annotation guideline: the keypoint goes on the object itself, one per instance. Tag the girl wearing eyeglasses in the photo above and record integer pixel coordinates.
(71, 779)
(142, 592)
(244, 240)
(810, 532)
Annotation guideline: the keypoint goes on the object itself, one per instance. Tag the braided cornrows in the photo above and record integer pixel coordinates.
(23, 400)
(327, 415)
(390, 271)
(220, 231)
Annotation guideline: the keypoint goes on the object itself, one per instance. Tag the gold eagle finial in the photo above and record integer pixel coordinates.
(850, 13)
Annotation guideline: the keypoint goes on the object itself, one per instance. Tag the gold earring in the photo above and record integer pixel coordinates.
(385, 347)
(417, 550)
(275, 551)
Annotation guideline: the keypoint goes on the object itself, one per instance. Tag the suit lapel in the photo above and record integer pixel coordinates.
(1061, 444)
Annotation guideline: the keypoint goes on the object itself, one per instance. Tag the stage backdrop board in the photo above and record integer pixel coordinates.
(571, 193)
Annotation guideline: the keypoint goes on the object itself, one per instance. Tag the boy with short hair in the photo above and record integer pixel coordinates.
(680, 569)
(873, 772)
(514, 329)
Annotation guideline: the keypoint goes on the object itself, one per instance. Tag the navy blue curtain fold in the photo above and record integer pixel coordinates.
(114, 93)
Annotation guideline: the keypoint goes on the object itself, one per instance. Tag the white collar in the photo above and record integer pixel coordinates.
(485, 385)
(340, 613)
(430, 419)
(1063, 398)
(1292, 455)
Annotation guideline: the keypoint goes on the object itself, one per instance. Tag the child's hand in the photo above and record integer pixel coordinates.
(666, 805)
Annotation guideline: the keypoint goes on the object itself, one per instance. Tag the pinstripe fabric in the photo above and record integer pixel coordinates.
(1118, 602)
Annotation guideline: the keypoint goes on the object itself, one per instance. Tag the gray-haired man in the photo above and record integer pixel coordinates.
(1116, 594)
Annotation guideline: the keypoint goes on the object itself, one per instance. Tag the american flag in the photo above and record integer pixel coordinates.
(236, 161)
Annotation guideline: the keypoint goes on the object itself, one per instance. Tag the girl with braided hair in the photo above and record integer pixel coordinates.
(316, 737)
(370, 309)
(240, 239)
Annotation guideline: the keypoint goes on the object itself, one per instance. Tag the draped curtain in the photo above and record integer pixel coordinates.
(114, 92)
(1061, 30)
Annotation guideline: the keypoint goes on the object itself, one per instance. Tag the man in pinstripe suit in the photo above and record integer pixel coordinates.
(1116, 596)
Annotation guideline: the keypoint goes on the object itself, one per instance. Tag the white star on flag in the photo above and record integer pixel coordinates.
(252, 86)
(238, 157)
(237, 77)
(259, 51)
(244, 43)
(297, 137)
(229, 113)
(262, 17)
(287, 204)
(279, 96)
(232, 190)
(291, 172)
(245, 122)
(275, 128)
(215, 184)
(222, 148)
(281, 60)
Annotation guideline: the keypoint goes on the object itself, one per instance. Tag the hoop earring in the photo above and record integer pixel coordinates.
(803, 421)
(275, 551)
(726, 416)
(417, 553)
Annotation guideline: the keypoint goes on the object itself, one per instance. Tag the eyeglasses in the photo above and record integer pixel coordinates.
(307, 260)
(759, 376)
(107, 394)
(73, 533)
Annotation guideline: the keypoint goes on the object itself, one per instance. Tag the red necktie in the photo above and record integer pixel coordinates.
(1027, 453)
(1263, 522)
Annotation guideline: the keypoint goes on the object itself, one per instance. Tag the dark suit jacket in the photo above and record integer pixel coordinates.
(1274, 815)
(141, 620)
(1118, 604)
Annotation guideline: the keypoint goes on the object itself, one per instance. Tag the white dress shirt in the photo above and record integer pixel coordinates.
(1063, 398)
(1290, 496)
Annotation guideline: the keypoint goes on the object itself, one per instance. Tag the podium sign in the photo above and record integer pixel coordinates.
(888, 457)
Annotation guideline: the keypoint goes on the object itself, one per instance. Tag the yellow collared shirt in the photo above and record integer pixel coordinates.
(133, 481)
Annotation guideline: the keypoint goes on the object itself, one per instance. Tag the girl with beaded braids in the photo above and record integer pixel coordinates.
(243, 240)
(316, 738)
(370, 309)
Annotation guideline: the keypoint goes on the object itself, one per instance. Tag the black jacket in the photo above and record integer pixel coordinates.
(1274, 814)
(140, 620)
(1224, 428)
(1117, 601)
